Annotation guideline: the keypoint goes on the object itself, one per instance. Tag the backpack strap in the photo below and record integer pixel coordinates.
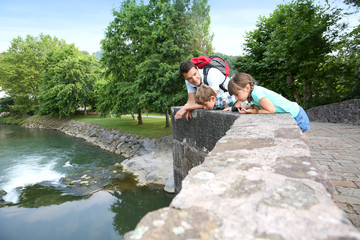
(205, 72)
(222, 85)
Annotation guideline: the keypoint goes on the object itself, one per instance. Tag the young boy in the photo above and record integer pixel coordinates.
(207, 97)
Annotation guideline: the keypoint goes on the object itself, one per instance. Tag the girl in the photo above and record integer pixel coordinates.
(243, 86)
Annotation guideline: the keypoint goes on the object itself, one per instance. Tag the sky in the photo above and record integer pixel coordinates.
(83, 22)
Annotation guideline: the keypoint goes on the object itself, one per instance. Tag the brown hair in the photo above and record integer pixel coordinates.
(239, 81)
(185, 67)
(203, 94)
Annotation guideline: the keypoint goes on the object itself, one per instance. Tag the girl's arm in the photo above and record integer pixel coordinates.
(267, 107)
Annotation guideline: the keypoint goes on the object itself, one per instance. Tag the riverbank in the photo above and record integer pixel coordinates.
(65, 184)
(150, 160)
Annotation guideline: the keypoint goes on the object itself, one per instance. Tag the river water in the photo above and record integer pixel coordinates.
(32, 163)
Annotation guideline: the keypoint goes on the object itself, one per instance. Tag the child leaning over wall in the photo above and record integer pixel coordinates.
(243, 87)
(207, 97)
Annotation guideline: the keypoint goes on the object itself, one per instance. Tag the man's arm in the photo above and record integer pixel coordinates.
(188, 107)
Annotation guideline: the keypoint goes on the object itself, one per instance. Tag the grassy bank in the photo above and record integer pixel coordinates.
(12, 120)
(153, 127)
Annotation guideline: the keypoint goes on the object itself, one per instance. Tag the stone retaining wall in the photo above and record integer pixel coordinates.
(258, 182)
(126, 144)
(342, 112)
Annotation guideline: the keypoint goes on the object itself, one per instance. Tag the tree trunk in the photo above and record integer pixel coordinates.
(133, 116)
(85, 111)
(140, 122)
(307, 93)
(167, 125)
(290, 80)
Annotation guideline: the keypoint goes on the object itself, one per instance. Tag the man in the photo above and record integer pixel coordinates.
(193, 79)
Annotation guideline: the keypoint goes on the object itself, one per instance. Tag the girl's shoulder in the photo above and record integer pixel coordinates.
(258, 89)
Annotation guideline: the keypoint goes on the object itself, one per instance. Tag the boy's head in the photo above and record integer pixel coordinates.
(205, 96)
(190, 72)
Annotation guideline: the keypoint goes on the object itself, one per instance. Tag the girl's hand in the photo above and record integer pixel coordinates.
(228, 109)
(249, 111)
(243, 110)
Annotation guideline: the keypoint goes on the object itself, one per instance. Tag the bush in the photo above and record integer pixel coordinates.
(6, 103)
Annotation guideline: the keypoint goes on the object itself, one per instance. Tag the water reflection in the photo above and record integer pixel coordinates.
(84, 219)
(131, 206)
(37, 195)
(104, 215)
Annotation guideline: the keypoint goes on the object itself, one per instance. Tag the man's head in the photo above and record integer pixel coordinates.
(190, 72)
(205, 96)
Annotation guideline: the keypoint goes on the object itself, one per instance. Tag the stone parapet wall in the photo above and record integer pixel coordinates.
(192, 141)
(342, 112)
(258, 182)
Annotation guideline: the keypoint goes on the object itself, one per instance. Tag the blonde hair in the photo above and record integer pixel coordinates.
(203, 94)
(239, 81)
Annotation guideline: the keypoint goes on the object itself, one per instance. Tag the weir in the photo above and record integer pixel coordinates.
(245, 177)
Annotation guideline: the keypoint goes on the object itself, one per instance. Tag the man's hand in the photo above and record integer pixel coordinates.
(182, 112)
(188, 115)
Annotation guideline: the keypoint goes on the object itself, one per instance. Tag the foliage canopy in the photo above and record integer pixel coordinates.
(22, 66)
(143, 48)
(68, 81)
(288, 50)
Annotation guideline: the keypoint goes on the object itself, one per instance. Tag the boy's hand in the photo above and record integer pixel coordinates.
(228, 109)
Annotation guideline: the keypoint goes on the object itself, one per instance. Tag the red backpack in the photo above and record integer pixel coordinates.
(205, 63)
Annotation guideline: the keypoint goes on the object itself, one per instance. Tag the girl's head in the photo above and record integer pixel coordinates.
(241, 86)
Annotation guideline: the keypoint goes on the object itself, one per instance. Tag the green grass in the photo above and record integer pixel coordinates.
(153, 127)
(11, 120)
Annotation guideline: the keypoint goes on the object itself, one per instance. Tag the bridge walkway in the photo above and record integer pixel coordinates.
(336, 147)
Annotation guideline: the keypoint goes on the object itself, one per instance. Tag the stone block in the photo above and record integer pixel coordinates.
(193, 158)
(204, 129)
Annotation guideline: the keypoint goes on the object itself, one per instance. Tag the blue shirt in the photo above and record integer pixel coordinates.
(282, 105)
(224, 100)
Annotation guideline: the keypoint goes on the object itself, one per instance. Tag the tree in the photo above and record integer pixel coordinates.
(5, 104)
(144, 46)
(68, 81)
(22, 66)
(286, 51)
(344, 67)
(355, 3)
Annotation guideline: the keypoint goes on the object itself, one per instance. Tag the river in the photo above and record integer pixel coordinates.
(33, 163)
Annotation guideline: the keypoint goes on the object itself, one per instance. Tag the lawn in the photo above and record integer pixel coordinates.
(153, 127)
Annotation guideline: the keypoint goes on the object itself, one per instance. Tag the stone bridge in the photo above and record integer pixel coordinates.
(256, 177)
